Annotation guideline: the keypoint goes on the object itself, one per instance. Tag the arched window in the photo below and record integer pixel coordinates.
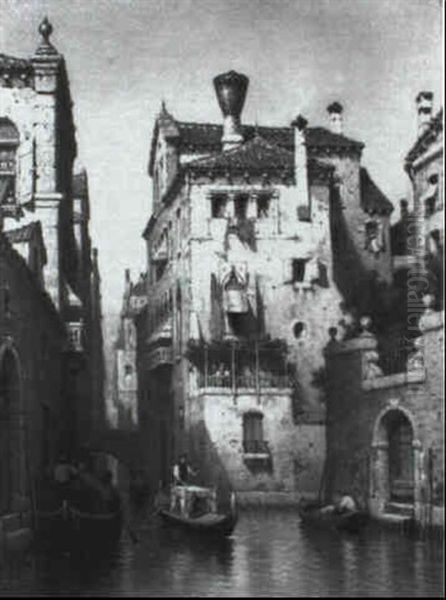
(9, 141)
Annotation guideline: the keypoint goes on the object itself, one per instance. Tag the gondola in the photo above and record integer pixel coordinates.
(351, 521)
(72, 530)
(193, 509)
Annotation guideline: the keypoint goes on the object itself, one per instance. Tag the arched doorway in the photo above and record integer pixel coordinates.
(401, 457)
(10, 438)
(394, 462)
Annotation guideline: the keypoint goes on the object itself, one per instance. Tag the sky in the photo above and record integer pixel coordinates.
(125, 56)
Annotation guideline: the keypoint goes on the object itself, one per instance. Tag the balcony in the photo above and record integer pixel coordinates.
(256, 449)
(241, 366)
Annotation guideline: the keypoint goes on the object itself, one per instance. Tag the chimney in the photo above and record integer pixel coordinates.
(404, 210)
(335, 111)
(424, 102)
(231, 90)
(127, 283)
(300, 161)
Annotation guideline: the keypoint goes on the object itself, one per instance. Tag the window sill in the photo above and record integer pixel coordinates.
(302, 285)
(256, 456)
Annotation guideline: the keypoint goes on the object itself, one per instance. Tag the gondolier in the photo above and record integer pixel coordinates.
(182, 471)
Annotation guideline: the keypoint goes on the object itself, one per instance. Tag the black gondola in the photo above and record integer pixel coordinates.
(351, 521)
(193, 508)
(72, 530)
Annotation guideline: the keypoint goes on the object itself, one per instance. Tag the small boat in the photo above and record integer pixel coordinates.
(194, 508)
(351, 521)
(73, 530)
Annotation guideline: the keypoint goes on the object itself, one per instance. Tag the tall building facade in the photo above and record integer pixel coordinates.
(385, 437)
(50, 330)
(125, 376)
(260, 238)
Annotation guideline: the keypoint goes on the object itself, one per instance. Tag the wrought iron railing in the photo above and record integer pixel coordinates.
(255, 447)
(236, 365)
(394, 358)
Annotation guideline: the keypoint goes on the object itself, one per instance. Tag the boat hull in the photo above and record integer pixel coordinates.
(351, 522)
(73, 531)
(211, 524)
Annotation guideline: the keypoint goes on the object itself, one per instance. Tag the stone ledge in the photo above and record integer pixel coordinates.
(224, 391)
(394, 380)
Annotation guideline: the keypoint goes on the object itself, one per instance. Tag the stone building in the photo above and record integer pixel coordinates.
(125, 386)
(260, 237)
(50, 329)
(385, 432)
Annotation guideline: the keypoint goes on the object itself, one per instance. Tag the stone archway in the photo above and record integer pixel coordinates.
(395, 458)
(11, 430)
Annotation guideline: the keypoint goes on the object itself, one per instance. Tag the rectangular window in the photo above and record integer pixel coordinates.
(263, 206)
(298, 269)
(7, 190)
(241, 206)
(253, 442)
(218, 206)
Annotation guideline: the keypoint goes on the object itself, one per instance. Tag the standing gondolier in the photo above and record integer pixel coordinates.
(182, 471)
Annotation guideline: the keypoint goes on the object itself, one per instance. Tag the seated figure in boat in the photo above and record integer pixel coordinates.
(192, 501)
(344, 503)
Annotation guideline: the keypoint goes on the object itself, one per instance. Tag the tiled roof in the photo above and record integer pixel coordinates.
(195, 136)
(426, 138)
(11, 62)
(253, 156)
(372, 198)
(206, 137)
(80, 185)
(23, 234)
(256, 156)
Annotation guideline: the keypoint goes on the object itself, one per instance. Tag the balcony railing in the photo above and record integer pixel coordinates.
(394, 359)
(236, 366)
(255, 447)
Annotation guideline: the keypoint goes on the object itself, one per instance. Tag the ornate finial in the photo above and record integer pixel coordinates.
(45, 30)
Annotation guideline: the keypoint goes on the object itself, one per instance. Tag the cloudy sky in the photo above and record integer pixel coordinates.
(124, 56)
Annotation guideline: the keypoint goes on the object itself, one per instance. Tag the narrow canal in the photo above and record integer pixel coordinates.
(270, 554)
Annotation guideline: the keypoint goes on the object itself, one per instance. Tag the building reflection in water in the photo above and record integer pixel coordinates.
(269, 554)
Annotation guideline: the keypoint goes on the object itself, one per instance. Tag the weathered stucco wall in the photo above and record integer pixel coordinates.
(216, 442)
(356, 411)
(31, 327)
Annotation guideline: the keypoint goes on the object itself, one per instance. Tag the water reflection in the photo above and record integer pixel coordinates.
(270, 554)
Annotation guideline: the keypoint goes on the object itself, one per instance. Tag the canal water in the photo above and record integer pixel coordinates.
(269, 554)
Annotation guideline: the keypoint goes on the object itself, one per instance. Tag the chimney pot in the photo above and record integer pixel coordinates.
(424, 102)
(231, 88)
(299, 122)
(404, 208)
(300, 161)
(335, 110)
